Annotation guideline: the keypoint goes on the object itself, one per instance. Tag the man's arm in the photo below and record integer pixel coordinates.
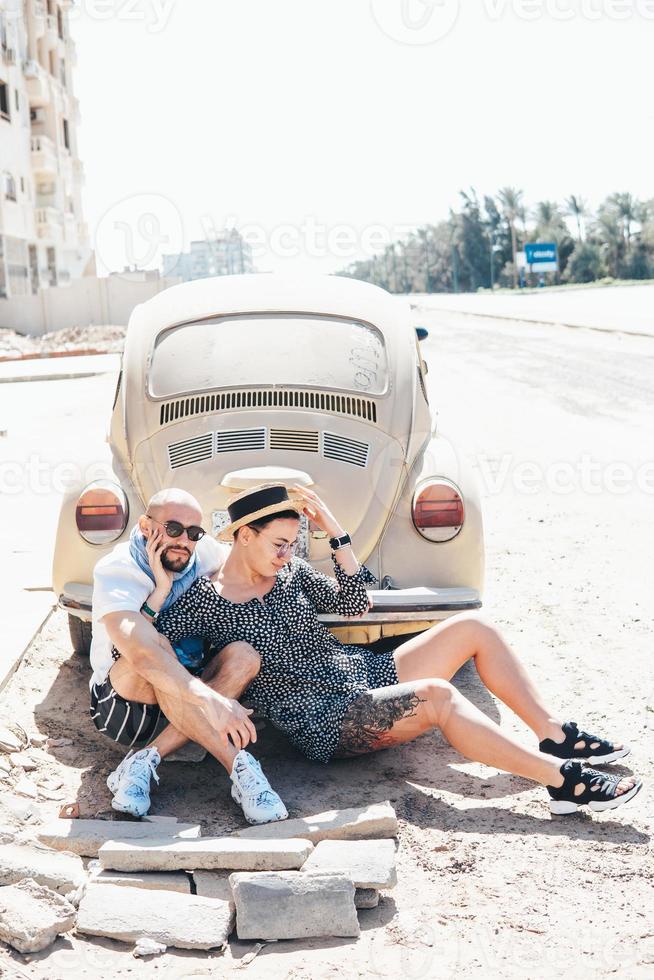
(153, 658)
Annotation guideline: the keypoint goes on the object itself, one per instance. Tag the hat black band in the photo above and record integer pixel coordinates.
(254, 502)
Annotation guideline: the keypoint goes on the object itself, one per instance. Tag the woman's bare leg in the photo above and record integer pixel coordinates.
(441, 650)
(390, 716)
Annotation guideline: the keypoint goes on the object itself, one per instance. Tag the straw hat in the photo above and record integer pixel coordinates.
(250, 505)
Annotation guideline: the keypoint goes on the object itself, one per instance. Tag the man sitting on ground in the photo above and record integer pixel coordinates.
(151, 697)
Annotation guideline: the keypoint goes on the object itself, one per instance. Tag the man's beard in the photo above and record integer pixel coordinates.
(177, 563)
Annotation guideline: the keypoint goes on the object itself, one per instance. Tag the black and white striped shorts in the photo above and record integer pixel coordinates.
(126, 722)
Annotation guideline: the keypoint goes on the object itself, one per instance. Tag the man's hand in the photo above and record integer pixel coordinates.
(154, 547)
(229, 719)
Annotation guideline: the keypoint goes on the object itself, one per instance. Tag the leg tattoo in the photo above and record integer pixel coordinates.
(368, 721)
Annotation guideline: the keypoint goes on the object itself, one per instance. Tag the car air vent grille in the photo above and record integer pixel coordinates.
(190, 451)
(238, 440)
(308, 442)
(347, 450)
(227, 401)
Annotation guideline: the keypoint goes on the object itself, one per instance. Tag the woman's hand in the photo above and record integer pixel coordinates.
(318, 512)
(162, 577)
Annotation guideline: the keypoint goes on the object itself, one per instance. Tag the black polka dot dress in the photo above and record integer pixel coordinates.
(307, 678)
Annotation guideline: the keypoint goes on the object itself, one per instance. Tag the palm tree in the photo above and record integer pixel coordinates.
(626, 209)
(577, 208)
(511, 203)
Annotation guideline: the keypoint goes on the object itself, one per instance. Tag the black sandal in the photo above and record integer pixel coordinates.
(603, 750)
(600, 791)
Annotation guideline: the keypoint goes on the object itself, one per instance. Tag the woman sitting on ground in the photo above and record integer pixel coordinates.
(333, 700)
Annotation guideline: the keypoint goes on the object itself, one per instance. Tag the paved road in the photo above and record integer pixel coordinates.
(626, 308)
(48, 426)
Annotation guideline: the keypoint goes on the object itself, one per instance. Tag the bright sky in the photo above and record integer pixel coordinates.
(325, 128)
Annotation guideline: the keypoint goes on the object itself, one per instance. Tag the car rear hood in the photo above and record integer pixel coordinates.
(357, 467)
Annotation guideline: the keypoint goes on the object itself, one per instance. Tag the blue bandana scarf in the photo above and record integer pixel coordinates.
(190, 650)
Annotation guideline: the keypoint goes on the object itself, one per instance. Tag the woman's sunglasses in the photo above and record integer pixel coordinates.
(175, 530)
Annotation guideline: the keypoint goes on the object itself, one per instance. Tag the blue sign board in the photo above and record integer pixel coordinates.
(542, 256)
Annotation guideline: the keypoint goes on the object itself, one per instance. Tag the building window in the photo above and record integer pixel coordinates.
(60, 24)
(22, 185)
(4, 101)
(9, 186)
(66, 134)
(17, 100)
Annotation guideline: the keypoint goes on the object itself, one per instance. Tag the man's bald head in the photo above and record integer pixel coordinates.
(164, 500)
(172, 505)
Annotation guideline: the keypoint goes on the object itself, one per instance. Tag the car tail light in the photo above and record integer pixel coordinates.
(102, 512)
(437, 510)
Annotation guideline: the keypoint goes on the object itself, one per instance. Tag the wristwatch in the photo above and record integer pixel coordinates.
(336, 543)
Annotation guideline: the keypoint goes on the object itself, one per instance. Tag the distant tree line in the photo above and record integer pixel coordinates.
(479, 243)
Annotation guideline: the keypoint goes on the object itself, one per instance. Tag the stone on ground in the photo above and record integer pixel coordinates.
(355, 823)
(207, 853)
(168, 881)
(59, 871)
(293, 905)
(32, 916)
(366, 898)
(185, 921)
(369, 863)
(86, 837)
(213, 884)
(191, 752)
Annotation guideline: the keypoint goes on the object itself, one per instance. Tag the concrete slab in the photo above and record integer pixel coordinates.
(185, 921)
(213, 884)
(292, 905)
(354, 823)
(369, 863)
(206, 854)
(167, 881)
(86, 837)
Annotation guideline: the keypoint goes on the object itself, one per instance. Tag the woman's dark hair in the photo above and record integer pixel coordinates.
(268, 519)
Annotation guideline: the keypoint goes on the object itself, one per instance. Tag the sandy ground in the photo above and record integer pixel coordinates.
(489, 883)
(109, 339)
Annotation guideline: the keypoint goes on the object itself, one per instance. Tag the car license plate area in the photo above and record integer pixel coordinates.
(220, 520)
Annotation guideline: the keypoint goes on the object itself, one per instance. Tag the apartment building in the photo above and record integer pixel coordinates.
(43, 238)
(224, 255)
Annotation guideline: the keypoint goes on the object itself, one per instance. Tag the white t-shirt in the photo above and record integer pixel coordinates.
(119, 585)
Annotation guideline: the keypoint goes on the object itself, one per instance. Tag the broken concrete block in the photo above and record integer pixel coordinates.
(185, 921)
(293, 905)
(148, 947)
(38, 740)
(168, 881)
(207, 853)
(61, 872)
(366, 898)
(24, 760)
(159, 818)
(32, 916)
(26, 787)
(86, 837)
(356, 823)
(369, 863)
(213, 884)
(9, 742)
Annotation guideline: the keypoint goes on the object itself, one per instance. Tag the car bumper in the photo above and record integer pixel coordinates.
(388, 606)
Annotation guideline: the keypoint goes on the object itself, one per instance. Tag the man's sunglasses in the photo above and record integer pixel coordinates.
(175, 530)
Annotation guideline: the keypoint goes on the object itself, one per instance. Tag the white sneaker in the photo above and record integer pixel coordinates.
(252, 791)
(130, 782)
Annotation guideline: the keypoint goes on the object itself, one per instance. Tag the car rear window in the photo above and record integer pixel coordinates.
(269, 349)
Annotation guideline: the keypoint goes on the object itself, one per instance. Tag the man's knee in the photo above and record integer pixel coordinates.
(242, 657)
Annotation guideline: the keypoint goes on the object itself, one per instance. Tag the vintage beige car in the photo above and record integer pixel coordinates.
(238, 380)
